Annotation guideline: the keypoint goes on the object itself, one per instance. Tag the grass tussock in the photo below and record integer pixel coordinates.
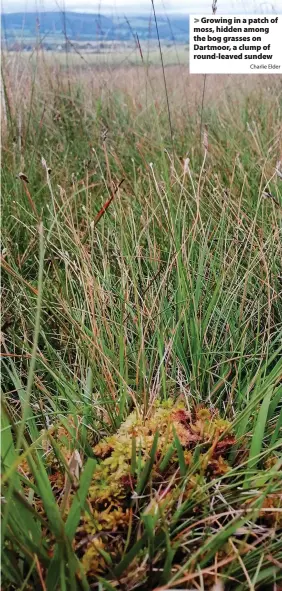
(141, 329)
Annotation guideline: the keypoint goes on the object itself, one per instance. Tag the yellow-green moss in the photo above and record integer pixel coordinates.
(111, 495)
(113, 507)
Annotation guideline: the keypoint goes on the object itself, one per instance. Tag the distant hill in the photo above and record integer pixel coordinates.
(90, 27)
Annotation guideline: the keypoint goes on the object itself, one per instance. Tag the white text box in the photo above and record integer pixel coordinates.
(236, 44)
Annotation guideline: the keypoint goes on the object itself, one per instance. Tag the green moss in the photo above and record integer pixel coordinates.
(111, 499)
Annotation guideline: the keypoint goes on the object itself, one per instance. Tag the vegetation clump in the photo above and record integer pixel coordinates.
(146, 455)
(151, 477)
(142, 472)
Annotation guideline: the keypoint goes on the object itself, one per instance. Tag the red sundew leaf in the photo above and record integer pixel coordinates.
(181, 415)
(225, 444)
(186, 437)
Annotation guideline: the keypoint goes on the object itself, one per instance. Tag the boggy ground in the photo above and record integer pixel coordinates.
(141, 328)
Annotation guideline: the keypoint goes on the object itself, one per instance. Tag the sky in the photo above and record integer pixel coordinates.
(144, 6)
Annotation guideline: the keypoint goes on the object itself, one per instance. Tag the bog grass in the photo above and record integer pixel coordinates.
(141, 303)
